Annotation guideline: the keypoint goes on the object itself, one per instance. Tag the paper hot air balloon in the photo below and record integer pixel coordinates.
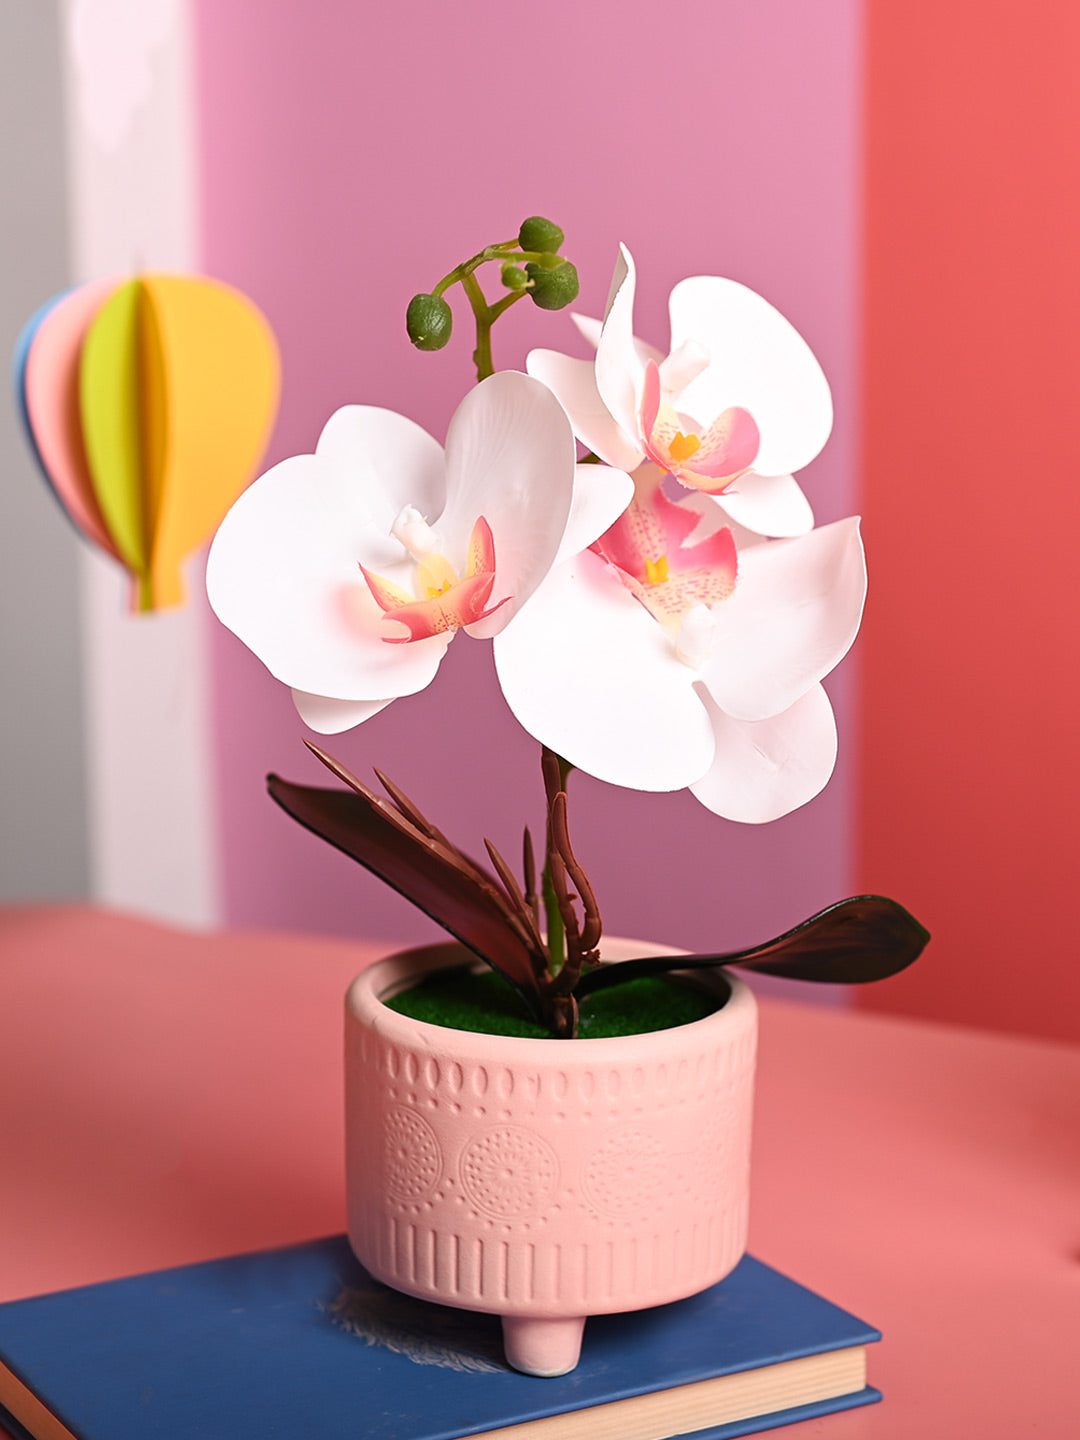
(148, 403)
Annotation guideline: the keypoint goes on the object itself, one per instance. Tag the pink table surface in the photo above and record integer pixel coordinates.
(169, 1097)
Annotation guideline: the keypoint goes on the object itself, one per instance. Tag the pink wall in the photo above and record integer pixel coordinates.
(352, 153)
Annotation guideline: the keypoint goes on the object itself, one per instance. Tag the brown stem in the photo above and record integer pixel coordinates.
(551, 769)
(557, 869)
(582, 938)
(592, 928)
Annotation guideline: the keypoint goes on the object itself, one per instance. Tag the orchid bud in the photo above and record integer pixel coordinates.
(513, 277)
(429, 321)
(536, 233)
(553, 289)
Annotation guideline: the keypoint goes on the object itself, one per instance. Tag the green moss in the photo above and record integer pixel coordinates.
(483, 1001)
(653, 1002)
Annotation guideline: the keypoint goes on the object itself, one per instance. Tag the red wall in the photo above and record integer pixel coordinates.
(970, 771)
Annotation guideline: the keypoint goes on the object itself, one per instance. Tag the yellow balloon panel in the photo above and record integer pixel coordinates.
(219, 385)
(154, 418)
(178, 387)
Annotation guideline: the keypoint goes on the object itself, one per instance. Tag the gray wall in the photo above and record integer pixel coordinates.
(43, 813)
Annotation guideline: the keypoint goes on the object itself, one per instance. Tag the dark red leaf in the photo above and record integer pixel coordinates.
(855, 941)
(372, 832)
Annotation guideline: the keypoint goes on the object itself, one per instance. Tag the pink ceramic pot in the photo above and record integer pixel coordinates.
(546, 1180)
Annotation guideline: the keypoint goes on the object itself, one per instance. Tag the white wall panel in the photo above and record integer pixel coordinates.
(133, 205)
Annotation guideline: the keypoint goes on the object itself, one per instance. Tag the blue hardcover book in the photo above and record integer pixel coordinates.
(301, 1341)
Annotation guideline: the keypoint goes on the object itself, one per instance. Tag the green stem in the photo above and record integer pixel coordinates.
(502, 251)
(504, 304)
(482, 311)
(485, 314)
(556, 933)
(556, 928)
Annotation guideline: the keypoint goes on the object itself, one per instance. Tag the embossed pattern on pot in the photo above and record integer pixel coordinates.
(548, 1177)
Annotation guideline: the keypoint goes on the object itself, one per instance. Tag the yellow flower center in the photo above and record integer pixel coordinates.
(656, 571)
(435, 575)
(683, 446)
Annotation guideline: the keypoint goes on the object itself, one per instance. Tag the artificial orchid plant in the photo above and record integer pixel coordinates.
(662, 611)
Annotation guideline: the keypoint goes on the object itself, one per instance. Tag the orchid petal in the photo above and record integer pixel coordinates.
(650, 527)
(758, 361)
(386, 593)
(386, 458)
(331, 717)
(588, 328)
(283, 575)
(464, 604)
(574, 383)
(792, 618)
(624, 270)
(650, 404)
(433, 573)
(681, 366)
(713, 514)
(619, 369)
(766, 768)
(767, 504)
(481, 559)
(510, 458)
(600, 497)
(718, 457)
(727, 448)
(444, 602)
(689, 579)
(589, 673)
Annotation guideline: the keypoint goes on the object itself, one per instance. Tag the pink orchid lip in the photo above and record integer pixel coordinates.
(450, 602)
(723, 452)
(647, 548)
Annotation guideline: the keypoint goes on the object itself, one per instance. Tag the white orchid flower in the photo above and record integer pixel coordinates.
(664, 657)
(348, 572)
(737, 405)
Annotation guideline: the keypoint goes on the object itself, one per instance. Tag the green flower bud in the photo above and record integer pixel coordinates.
(553, 289)
(429, 321)
(513, 277)
(536, 233)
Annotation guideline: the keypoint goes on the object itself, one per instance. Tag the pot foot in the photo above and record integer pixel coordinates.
(542, 1347)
